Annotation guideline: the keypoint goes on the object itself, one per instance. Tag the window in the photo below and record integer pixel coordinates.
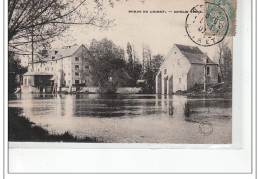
(38, 69)
(179, 61)
(76, 82)
(76, 73)
(86, 67)
(77, 66)
(208, 71)
(51, 63)
(64, 74)
(69, 82)
(51, 69)
(179, 80)
(76, 58)
(165, 71)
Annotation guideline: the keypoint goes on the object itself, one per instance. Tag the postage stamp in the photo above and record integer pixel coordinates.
(216, 20)
(216, 12)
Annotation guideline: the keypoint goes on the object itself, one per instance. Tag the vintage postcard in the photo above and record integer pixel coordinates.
(120, 71)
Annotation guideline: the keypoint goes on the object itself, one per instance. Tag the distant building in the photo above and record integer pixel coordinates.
(65, 67)
(184, 67)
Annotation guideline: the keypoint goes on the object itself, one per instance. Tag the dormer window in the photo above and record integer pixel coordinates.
(165, 71)
(76, 58)
(207, 60)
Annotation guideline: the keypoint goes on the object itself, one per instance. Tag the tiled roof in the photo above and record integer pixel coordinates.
(194, 54)
(64, 51)
(59, 53)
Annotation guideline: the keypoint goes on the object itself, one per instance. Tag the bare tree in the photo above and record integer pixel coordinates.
(37, 22)
(220, 56)
(225, 61)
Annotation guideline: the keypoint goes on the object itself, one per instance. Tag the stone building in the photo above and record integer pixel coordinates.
(65, 67)
(184, 67)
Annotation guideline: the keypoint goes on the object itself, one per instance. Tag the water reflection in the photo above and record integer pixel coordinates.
(128, 118)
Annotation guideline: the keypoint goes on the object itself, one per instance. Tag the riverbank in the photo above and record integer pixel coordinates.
(220, 90)
(21, 129)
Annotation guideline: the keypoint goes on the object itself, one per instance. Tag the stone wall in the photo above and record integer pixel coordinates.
(196, 75)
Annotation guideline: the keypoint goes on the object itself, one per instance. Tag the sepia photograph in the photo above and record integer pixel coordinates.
(120, 71)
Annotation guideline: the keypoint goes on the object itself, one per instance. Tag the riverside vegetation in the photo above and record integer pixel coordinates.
(21, 129)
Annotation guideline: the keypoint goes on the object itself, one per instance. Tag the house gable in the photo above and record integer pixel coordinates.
(175, 68)
(184, 66)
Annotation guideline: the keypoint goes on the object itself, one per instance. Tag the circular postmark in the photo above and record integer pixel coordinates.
(207, 25)
(206, 127)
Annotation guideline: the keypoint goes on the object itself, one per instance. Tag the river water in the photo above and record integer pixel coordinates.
(130, 118)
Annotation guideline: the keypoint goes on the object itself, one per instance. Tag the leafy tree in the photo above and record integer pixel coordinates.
(130, 55)
(134, 68)
(152, 64)
(157, 62)
(14, 71)
(107, 66)
(136, 74)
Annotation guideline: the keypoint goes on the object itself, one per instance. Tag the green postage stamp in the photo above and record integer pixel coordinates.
(220, 17)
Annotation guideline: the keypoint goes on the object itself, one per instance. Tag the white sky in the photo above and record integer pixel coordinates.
(159, 31)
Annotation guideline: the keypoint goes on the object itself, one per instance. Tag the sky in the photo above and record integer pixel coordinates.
(157, 30)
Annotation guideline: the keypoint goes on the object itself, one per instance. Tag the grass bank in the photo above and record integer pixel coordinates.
(21, 129)
(221, 90)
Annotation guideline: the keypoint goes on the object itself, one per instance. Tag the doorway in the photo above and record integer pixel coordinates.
(171, 85)
(165, 85)
(159, 83)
